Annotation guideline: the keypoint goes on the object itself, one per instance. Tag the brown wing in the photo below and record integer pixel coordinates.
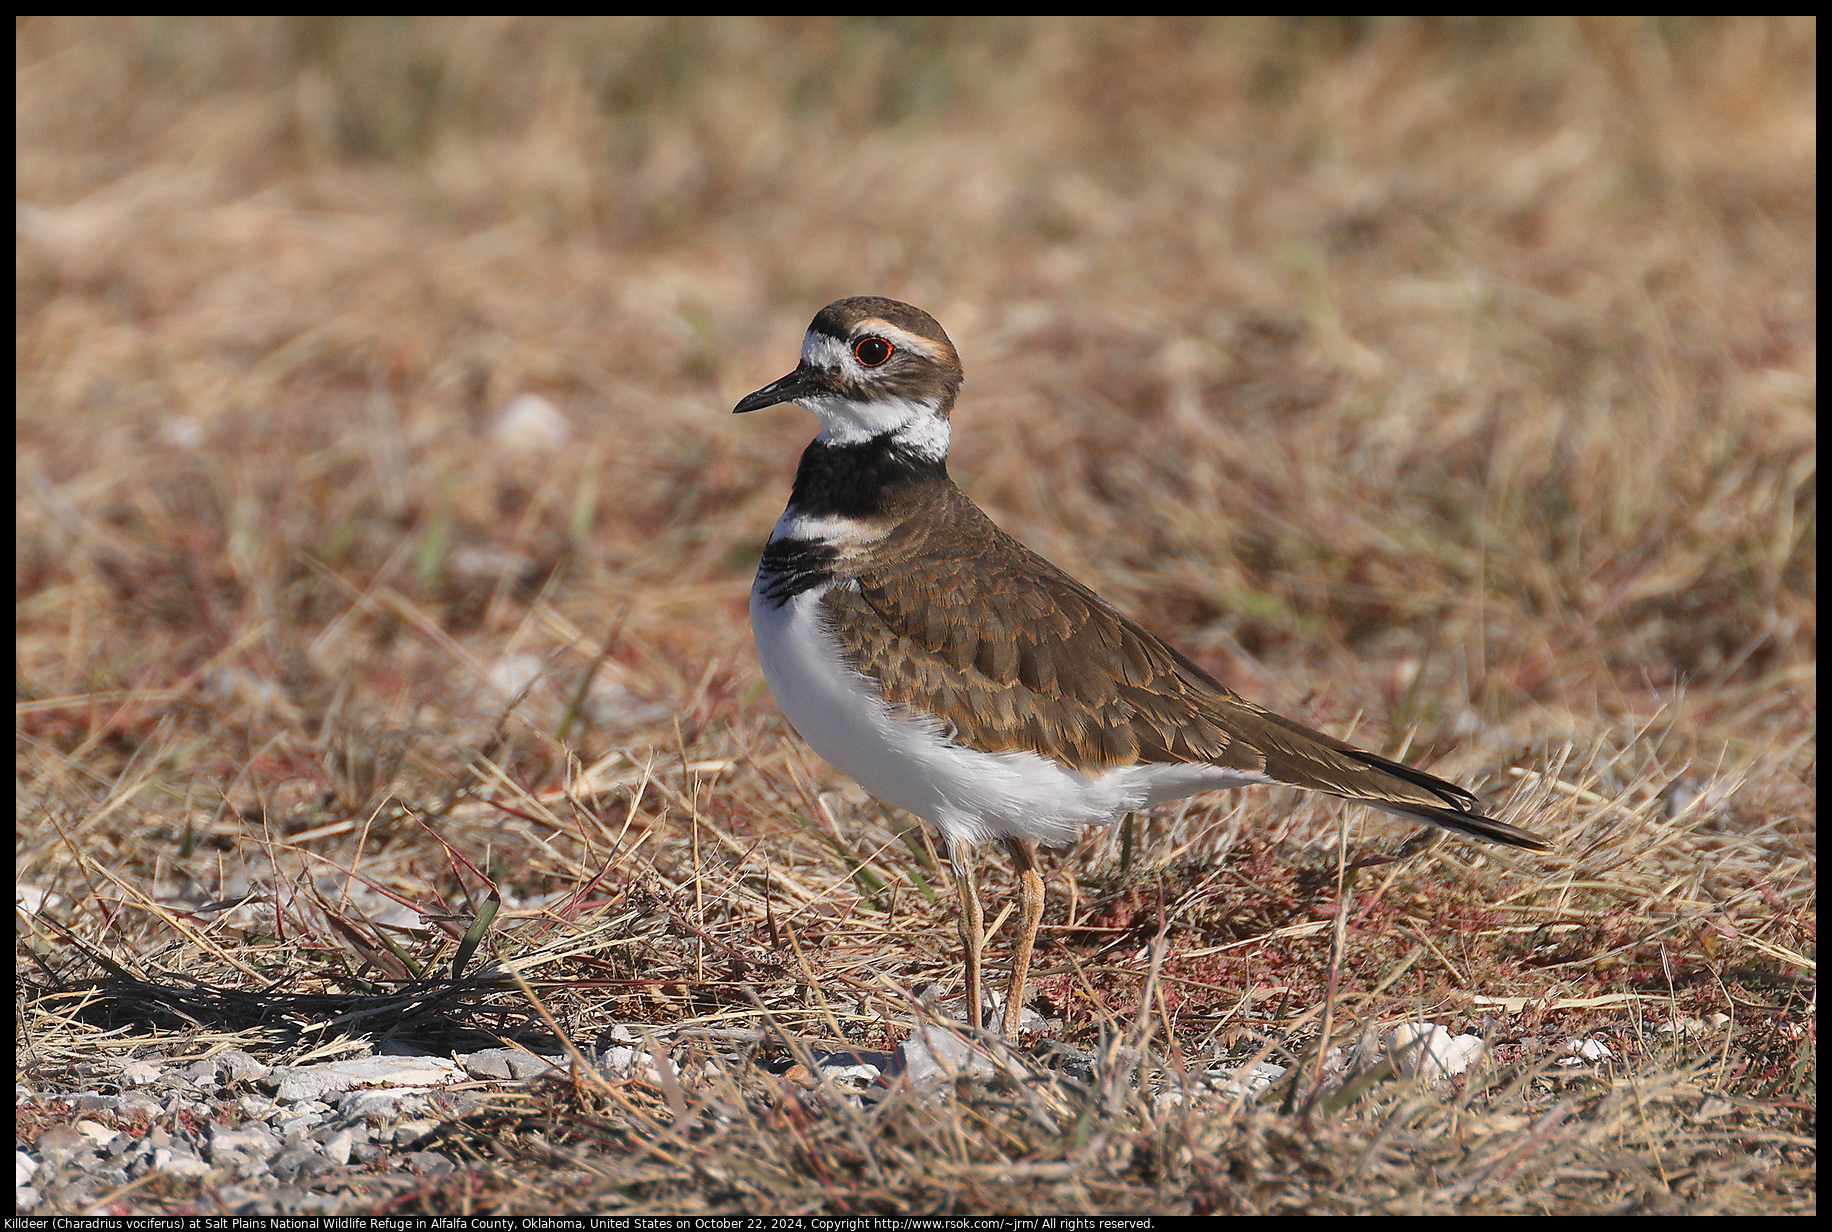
(953, 616)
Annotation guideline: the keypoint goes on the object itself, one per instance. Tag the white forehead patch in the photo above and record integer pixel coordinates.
(823, 351)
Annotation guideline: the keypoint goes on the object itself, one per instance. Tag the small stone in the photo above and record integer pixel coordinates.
(182, 432)
(622, 1062)
(31, 899)
(337, 1147)
(1429, 1051)
(1679, 796)
(1580, 1051)
(140, 1073)
(256, 1107)
(138, 1105)
(854, 1070)
(97, 1132)
(289, 1161)
(73, 1190)
(413, 1131)
(175, 1163)
(429, 1162)
(60, 1144)
(24, 1166)
(253, 1142)
(297, 1129)
(1253, 1083)
(379, 1107)
(936, 1053)
(286, 1119)
(530, 424)
(505, 1063)
(311, 1081)
(456, 1105)
(234, 1065)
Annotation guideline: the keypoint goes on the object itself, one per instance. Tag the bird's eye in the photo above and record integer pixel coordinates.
(872, 351)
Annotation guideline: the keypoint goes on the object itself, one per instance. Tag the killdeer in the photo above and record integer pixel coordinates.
(961, 677)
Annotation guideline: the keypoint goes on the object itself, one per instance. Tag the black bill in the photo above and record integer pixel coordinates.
(798, 384)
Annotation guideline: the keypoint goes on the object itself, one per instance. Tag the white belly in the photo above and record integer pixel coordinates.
(903, 760)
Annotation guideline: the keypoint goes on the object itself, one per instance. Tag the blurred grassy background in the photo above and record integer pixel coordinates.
(1342, 346)
(1449, 383)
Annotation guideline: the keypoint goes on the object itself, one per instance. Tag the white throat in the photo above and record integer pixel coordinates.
(917, 426)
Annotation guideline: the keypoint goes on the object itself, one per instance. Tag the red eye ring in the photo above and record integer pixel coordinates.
(873, 351)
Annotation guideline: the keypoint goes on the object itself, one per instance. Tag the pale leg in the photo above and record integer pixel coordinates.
(1030, 915)
(973, 922)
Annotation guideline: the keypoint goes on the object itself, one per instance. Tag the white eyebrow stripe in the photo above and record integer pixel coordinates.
(826, 351)
(899, 338)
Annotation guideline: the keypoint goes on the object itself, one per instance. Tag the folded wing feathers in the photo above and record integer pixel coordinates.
(1046, 665)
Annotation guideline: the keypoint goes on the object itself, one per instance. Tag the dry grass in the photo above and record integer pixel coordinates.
(1446, 384)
